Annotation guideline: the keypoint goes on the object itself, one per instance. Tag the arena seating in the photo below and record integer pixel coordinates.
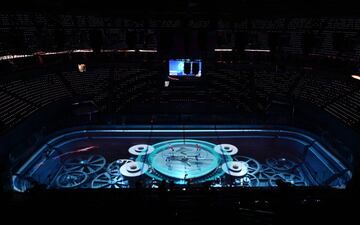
(28, 33)
(319, 91)
(275, 83)
(41, 32)
(132, 84)
(40, 91)
(13, 110)
(20, 98)
(88, 83)
(346, 108)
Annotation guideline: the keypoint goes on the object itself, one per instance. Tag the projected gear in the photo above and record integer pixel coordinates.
(71, 179)
(133, 169)
(85, 163)
(235, 168)
(226, 149)
(114, 167)
(266, 173)
(247, 181)
(141, 149)
(293, 179)
(106, 180)
(253, 166)
(281, 164)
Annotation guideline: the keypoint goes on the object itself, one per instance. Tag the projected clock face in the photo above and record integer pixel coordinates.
(181, 159)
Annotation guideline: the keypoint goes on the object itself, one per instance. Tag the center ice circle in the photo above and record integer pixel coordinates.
(184, 159)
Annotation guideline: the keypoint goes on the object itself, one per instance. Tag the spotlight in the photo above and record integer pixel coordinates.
(357, 77)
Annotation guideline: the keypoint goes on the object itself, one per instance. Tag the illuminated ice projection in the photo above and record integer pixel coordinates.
(85, 163)
(183, 161)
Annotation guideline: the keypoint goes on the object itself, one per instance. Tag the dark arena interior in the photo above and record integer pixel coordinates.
(180, 112)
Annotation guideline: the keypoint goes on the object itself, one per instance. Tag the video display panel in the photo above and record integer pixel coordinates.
(185, 67)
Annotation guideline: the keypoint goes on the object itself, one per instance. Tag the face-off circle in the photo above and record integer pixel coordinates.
(226, 149)
(133, 169)
(183, 159)
(141, 149)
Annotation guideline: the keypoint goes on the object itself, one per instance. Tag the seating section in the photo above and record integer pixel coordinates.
(39, 91)
(346, 108)
(118, 87)
(22, 97)
(274, 83)
(13, 110)
(229, 86)
(341, 98)
(321, 91)
(33, 32)
(134, 84)
(88, 83)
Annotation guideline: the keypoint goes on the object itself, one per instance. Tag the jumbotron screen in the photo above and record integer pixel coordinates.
(185, 67)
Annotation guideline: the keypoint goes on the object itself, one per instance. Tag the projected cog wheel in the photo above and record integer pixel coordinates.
(236, 168)
(114, 167)
(134, 169)
(265, 173)
(281, 164)
(71, 179)
(85, 163)
(226, 149)
(106, 180)
(253, 166)
(141, 149)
